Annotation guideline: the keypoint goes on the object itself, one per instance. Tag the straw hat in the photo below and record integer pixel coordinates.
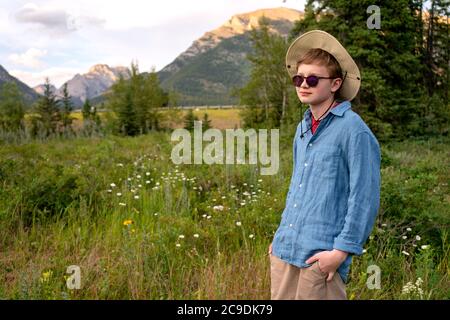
(325, 41)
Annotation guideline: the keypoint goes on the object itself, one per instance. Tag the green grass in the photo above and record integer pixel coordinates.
(56, 210)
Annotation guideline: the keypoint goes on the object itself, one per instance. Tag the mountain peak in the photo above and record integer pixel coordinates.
(99, 68)
(224, 48)
(237, 25)
(28, 92)
(41, 89)
(241, 23)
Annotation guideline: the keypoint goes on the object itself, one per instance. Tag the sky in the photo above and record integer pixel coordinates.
(60, 38)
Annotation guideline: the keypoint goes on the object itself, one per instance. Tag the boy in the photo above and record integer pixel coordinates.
(334, 194)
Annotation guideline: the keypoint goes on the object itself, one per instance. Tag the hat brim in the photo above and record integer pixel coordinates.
(325, 41)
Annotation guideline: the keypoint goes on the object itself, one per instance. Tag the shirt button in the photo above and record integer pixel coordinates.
(310, 144)
(306, 164)
(300, 185)
(295, 205)
(290, 225)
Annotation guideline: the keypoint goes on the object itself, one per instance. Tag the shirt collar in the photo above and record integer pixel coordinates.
(338, 110)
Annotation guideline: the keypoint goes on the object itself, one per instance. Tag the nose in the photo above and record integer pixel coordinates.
(304, 84)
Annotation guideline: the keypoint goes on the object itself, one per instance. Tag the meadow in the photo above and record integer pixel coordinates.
(140, 227)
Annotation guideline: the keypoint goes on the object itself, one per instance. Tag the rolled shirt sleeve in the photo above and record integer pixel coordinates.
(364, 160)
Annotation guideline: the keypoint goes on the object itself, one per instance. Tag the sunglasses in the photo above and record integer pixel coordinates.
(311, 81)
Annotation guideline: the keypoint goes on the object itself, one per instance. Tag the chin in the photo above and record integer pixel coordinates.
(306, 100)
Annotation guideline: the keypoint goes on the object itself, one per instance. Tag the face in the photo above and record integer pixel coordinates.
(324, 90)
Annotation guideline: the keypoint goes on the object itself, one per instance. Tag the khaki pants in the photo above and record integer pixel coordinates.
(289, 282)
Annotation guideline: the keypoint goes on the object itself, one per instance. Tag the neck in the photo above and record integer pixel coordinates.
(319, 109)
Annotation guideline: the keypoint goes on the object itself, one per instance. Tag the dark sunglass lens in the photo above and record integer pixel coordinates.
(312, 81)
(297, 80)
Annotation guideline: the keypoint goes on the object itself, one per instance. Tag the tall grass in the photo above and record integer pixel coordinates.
(140, 227)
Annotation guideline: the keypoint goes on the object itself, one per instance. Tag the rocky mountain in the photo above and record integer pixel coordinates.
(40, 89)
(92, 84)
(29, 94)
(207, 72)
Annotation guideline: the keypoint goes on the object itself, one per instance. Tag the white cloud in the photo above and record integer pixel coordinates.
(4, 23)
(57, 76)
(55, 19)
(78, 34)
(28, 59)
(48, 18)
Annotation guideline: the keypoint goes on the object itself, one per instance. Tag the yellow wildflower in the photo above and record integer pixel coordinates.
(127, 222)
(46, 276)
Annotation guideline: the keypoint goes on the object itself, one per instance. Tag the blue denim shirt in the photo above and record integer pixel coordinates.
(334, 194)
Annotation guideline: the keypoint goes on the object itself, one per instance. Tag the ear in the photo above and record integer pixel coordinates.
(336, 84)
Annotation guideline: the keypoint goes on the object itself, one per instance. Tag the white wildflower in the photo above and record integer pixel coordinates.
(419, 281)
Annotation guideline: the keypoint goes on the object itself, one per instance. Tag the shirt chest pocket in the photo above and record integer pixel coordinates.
(326, 161)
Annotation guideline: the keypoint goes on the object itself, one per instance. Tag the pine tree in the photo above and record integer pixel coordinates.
(136, 102)
(47, 116)
(95, 116)
(127, 116)
(67, 108)
(437, 48)
(389, 59)
(189, 120)
(86, 110)
(206, 123)
(12, 107)
(269, 83)
(156, 99)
